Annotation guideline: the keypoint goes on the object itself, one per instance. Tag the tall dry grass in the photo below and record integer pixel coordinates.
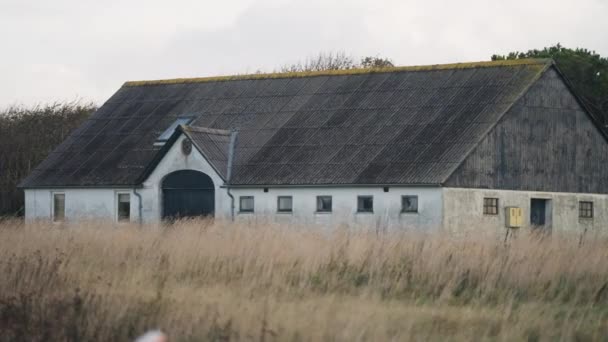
(200, 280)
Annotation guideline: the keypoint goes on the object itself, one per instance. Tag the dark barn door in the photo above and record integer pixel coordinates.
(188, 193)
(538, 212)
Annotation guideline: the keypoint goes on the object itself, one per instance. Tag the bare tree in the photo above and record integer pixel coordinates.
(376, 62)
(337, 61)
(323, 61)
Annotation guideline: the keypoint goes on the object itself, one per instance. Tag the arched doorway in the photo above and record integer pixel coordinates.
(188, 193)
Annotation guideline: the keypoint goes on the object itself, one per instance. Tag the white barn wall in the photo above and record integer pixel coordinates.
(463, 209)
(79, 203)
(387, 206)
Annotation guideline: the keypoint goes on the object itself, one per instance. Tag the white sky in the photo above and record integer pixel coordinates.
(67, 49)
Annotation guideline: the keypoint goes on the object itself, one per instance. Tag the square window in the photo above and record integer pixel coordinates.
(365, 204)
(246, 204)
(409, 204)
(285, 204)
(324, 204)
(124, 207)
(585, 209)
(490, 206)
(58, 207)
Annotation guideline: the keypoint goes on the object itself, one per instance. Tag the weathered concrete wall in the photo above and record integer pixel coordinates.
(463, 209)
(79, 203)
(387, 206)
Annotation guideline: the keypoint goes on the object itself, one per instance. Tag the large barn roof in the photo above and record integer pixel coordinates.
(403, 125)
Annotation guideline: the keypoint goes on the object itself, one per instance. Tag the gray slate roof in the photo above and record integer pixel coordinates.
(214, 144)
(408, 125)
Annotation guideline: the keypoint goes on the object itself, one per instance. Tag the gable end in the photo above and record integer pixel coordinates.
(546, 142)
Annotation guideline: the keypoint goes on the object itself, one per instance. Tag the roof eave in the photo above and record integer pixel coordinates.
(97, 186)
(334, 185)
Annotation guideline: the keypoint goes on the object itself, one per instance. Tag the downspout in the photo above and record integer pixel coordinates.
(233, 135)
(139, 206)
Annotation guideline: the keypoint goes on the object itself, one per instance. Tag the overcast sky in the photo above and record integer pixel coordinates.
(67, 49)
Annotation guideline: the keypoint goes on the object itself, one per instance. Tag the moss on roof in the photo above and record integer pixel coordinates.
(505, 63)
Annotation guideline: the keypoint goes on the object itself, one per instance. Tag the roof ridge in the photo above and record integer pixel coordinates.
(451, 66)
(200, 129)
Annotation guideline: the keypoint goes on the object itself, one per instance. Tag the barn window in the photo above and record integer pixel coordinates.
(285, 204)
(365, 204)
(58, 207)
(409, 204)
(246, 204)
(169, 131)
(123, 207)
(585, 209)
(324, 204)
(490, 206)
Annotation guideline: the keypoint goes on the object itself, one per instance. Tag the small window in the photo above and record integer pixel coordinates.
(285, 204)
(58, 207)
(585, 209)
(246, 204)
(124, 207)
(169, 131)
(365, 204)
(409, 204)
(324, 204)
(490, 206)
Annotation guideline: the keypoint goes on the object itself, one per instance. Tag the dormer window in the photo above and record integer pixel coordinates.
(169, 131)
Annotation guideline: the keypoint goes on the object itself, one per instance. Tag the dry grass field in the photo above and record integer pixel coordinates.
(199, 281)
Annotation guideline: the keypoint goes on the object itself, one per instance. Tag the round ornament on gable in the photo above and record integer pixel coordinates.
(186, 147)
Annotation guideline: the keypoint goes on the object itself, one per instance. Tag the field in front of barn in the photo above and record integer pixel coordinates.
(199, 280)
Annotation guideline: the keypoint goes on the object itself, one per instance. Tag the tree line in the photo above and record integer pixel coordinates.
(27, 136)
(586, 70)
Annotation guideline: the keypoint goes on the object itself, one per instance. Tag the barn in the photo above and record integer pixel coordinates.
(472, 145)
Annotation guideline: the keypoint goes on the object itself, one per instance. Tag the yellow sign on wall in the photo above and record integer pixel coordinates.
(515, 217)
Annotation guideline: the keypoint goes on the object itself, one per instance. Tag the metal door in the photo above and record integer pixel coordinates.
(188, 193)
